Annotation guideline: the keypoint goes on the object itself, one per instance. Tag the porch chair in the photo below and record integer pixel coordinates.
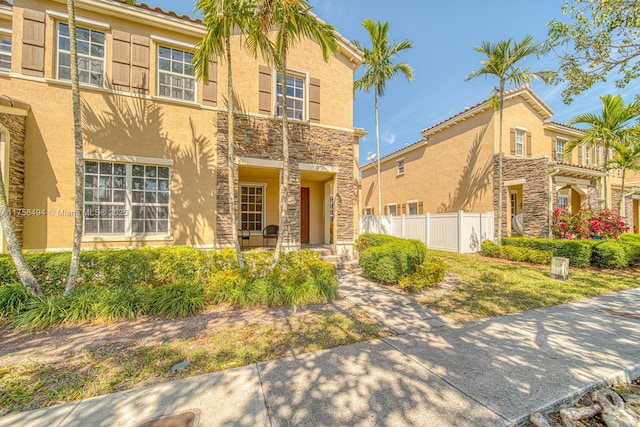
(244, 235)
(270, 232)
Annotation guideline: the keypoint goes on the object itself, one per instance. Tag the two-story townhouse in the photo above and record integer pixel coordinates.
(155, 137)
(455, 167)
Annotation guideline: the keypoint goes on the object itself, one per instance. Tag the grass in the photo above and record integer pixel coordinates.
(86, 374)
(493, 288)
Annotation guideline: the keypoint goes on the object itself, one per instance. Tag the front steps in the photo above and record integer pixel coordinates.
(341, 262)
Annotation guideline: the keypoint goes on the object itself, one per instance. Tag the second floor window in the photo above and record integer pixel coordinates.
(400, 167)
(587, 158)
(560, 150)
(91, 54)
(175, 74)
(519, 143)
(295, 97)
(5, 53)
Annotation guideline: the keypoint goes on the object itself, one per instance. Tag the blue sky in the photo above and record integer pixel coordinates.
(444, 34)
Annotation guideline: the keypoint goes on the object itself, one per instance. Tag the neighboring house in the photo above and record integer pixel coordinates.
(155, 137)
(455, 167)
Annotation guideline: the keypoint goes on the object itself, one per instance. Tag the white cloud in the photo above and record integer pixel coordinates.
(388, 137)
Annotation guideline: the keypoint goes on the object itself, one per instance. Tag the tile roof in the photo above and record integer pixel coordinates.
(5, 3)
(161, 11)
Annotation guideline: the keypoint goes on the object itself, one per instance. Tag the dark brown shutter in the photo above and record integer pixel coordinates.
(529, 144)
(403, 209)
(386, 210)
(33, 43)
(140, 62)
(554, 149)
(121, 60)
(210, 90)
(264, 88)
(314, 100)
(597, 156)
(580, 155)
(420, 208)
(513, 142)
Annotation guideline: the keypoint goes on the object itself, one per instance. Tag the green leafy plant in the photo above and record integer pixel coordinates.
(14, 299)
(393, 258)
(578, 251)
(42, 312)
(179, 299)
(428, 274)
(120, 303)
(610, 255)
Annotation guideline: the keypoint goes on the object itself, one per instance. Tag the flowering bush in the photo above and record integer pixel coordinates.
(587, 224)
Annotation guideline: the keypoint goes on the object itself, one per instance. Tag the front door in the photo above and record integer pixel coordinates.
(304, 216)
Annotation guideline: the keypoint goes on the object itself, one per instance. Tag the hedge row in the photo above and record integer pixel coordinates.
(515, 253)
(578, 251)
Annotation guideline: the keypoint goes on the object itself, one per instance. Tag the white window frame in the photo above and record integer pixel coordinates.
(560, 153)
(563, 201)
(173, 74)
(587, 156)
(82, 56)
(513, 199)
(395, 209)
(5, 55)
(400, 166)
(409, 204)
(305, 95)
(520, 145)
(126, 208)
(263, 187)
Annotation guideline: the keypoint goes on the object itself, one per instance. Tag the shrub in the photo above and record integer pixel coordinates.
(116, 303)
(367, 240)
(179, 263)
(82, 304)
(516, 253)
(586, 223)
(427, 274)
(389, 262)
(610, 255)
(14, 299)
(178, 299)
(577, 251)
(490, 249)
(631, 244)
(42, 312)
(116, 267)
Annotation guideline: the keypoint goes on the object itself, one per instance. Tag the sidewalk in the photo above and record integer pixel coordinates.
(486, 373)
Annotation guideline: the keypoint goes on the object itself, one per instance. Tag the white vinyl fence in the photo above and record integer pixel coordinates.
(460, 232)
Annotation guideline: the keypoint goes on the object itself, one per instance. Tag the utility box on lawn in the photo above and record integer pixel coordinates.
(559, 268)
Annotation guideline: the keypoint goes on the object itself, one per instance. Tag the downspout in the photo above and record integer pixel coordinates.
(555, 172)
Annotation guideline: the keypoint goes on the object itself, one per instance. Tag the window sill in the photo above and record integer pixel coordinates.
(67, 83)
(175, 101)
(400, 174)
(124, 239)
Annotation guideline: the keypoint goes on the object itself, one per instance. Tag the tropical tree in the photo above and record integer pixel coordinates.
(612, 126)
(78, 149)
(221, 19)
(24, 272)
(595, 39)
(380, 68)
(626, 156)
(503, 60)
(290, 21)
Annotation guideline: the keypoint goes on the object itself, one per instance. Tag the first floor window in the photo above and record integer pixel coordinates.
(122, 198)
(413, 208)
(393, 210)
(514, 203)
(5, 53)
(252, 207)
(295, 96)
(175, 74)
(91, 55)
(519, 142)
(368, 211)
(563, 201)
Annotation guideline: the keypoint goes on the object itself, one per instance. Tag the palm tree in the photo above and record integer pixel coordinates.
(503, 61)
(626, 157)
(379, 68)
(610, 127)
(291, 20)
(221, 19)
(77, 137)
(24, 272)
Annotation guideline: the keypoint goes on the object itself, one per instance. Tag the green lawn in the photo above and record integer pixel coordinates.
(86, 374)
(491, 288)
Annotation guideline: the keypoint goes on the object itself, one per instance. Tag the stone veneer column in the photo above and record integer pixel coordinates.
(16, 125)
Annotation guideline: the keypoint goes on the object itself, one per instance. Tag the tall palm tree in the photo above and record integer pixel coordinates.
(221, 19)
(24, 272)
(77, 138)
(610, 127)
(291, 21)
(626, 156)
(503, 60)
(380, 68)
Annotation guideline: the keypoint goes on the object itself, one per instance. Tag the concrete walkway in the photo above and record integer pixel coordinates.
(487, 373)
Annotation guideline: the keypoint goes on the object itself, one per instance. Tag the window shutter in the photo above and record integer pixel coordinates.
(403, 209)
(140, 62)
(314, 100)
(597, 156)
(121, 60)
(33, 43)
(529, 144)
(420, 208)
(386, 210)
(210, 90)
(554, 149)
(513, 142)
(264, 88)
(580, 155)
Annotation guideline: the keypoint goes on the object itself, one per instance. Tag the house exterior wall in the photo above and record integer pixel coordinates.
(131, 122)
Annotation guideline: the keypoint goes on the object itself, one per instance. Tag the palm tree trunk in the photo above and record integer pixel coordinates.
(24, 273)
(606, 175)
(500, 178)
(284, 175)
(77, 136)
(231, 159)
(378, 154)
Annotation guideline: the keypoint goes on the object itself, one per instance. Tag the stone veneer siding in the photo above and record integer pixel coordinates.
(615, 204)
(261, 138)
(16, 125)
(535, 193)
